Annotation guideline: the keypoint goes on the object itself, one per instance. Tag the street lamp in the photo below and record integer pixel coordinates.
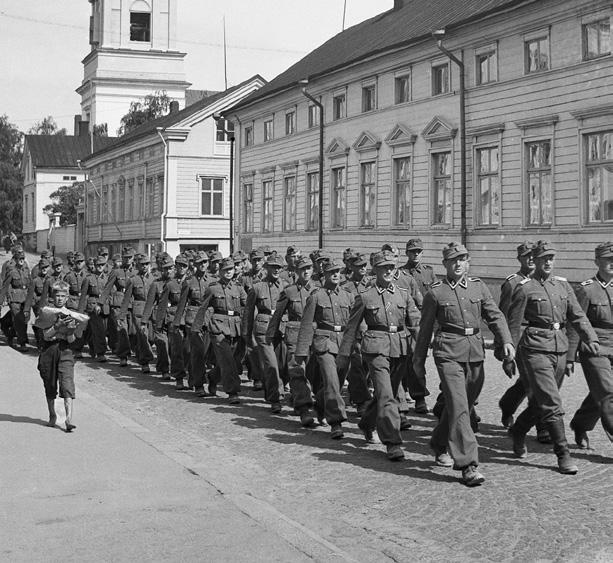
(303, 84)
(439, 35)
(217, 117)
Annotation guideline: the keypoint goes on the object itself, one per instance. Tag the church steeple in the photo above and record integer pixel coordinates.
(133, 53)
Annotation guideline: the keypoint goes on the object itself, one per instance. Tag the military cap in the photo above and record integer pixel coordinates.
(292, 251)
(167, 262)
(45, 254)
(526, 247)
(275, 262)
(543, 248)
(453, 250)
(265, 249)
(70, 254)
(17, 248)
(143, 259)
(201, 257)
(389, 247)
(90, 261)
(415, 244)
(358, 260)
(182, 259)
(303, 262)
(44, 263)
(323, 255)
(331, 265)
(604, 250)
(348, 253)
(100, 261)
(57, 261)
(116, 256)
(226, 264)
(238, 256)
(383, 258)
(128, 252)
(257, 253)
(103, 250)
(20, 254)
(215, 256)
(79, 256)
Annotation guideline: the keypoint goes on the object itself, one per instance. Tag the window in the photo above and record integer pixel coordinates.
(289, 204)
(338, 198)
(140, 26)
(130, 200)
(141, 199)
(488, 186)
(486, 68)
(104, 205)
(91, 215)
(121, 212)
(26, 208)
(150, 198)
(268, 130)
(267, 206)
(402, 191)
(597, 39)
(211, 196)
(313, 201)
(537, 54)
(249, 136)
(338, 107)
(224, 130)
(402, 87)
(313, 115)
(539, 183)
(367, 194)
(368, 98)
(113, 203)
(248, 208)
(160, 180)
(441, 178)
(600, 176)
(440, 79)
(34, 207)
(290, 122)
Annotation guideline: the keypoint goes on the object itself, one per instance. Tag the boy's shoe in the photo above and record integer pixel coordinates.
(145, 368)
(519, 443)
(471, 476)
(336, 432)
(123, 362)
(166, 376)
(395, 453)
(233, 399)
(443, 459)
(306, 418)
(275, 408)
(101, 358)
(566, 465)
(420, 406)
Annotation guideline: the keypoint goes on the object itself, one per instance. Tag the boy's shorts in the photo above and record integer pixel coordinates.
(56, 367)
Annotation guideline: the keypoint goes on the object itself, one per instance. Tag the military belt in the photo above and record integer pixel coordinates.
(228, 313)
(386, 328)
(548, 326)
(462, 331)
(333, 328)
(607, 326)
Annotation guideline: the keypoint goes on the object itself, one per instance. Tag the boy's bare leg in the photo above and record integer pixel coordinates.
(52, 415)
(68, 406)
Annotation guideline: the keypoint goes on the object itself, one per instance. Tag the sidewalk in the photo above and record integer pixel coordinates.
(104, 494)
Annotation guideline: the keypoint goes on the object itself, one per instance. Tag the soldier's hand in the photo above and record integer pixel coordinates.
(143, 328)
(26, 315)
(570, 369)
(509, 367)
(342, 363)
(509, 352)
(594, 348)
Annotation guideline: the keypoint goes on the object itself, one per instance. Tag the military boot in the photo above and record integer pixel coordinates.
(566, 465)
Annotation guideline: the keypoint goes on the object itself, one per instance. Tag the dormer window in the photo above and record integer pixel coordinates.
(140, 27)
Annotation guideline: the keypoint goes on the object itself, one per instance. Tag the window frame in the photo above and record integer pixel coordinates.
(268, 206)
(369, 94)
(537, 37)
(585, 42)
(313, 116)
(221, 126)
(405, 75)
(598, 164)
(336, 106)
(408, 223)
(269, 130)
(312, 223)
(478, 176)
(248, 215)
(338, 219)
(147, 29)
(290, 122)
(434, 183)
(248, 135)
(288, 200)
(367, 212)
(491, 52)
(527, 142)
(212, 179)
(436, 66)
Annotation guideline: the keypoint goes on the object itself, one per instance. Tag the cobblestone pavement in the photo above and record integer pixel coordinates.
(350, 500)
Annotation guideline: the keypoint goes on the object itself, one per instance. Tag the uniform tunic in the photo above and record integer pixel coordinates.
(150, 313)
(15, 290)
(133, 307)
(92, 288)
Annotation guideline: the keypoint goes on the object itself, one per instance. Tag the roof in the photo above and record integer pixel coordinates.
(62, 151)
(193, 96)
(413, 21)
(173, 118)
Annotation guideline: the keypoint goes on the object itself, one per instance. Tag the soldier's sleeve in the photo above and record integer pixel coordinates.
(201, 314)
(5, 288)
(573, 338)
(516, 313)
(247, 317)
(127, 298)
(493, 316)
(305, 334)
(182, 302)
(426, 326)
(506, 292)
(44, 296)
(416, 294)
(29, 297)
(275, 320)
(355, 318)
(578, 318)
(412, 315)
(108, 287)
(151, 297)
(83, 296)
(160, 313)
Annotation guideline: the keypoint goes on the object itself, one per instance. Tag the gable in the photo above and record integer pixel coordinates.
(400, 135)
(366, 142)
(337, 147)
(438, 130)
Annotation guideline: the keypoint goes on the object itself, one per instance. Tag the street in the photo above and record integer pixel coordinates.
(152, 473)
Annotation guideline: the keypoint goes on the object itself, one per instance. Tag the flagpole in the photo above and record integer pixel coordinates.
(344, 12)
(225, 55)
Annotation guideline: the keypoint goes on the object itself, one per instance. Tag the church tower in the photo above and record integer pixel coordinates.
(133, 53)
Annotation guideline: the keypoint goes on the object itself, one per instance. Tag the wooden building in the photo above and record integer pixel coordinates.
(538, 103)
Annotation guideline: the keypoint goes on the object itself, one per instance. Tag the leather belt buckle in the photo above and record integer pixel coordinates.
(555, 326)
(272, 311)
(338, 328)
(393, 328)
(469, 331)
(230, 313)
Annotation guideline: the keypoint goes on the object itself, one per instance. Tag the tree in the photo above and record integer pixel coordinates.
(11, 182)
(47, 126)
(101, 130)
(65, 200)
(153, 106)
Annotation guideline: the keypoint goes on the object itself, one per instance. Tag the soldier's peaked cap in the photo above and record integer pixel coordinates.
(57, 261)
(43, 263)
(358, 260)
(415, 244)
(274, 262)
(303, 262)
(604, 250)
(227, 264)
(544, 248)
(201, 257)
(526, 247)
(453, 250)
(182, 259)
(383, 258)
(167, 262)
(332, 265)
(78, 256)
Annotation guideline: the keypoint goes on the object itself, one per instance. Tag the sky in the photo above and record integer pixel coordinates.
(43, 43)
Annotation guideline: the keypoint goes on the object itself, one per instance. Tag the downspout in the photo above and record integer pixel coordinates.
(237, 154)
(232, 141)
(439, 35)
(165, 202)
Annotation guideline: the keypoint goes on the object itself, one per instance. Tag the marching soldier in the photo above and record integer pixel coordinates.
(69, 265)
(389, 312)
(35, 294)
(323, 322)
(74, 279)
(596, 298)
(92, 302)
(423, 273)
(15, 290)
(220, 312)
(46, 254)
(56, 274)
(289, 274)
(545, 303)
(457, 304)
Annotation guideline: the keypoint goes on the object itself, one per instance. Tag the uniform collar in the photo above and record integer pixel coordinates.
(603, 283)
(462, 283)
(391, 288)
(331, 289)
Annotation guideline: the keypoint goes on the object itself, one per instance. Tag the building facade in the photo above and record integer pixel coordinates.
(538, 135)
(165, 185)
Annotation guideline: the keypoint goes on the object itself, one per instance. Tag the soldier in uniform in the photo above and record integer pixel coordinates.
(323, 322)
(261, 302)
(389, 313)
(221, 311)
(15, 290)
(46, 254)
(69, 265)
(57, 273)
(457, 304)
(74, 279)
(92, 303)
(35, 293)
(132, 309)
(541, 306)
(596, 298)
(215, 259)
(90, 265)
(289, 274)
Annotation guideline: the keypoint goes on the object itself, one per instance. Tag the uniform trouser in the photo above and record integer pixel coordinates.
(175, 345)
(543, 374)
(112, 330)
(357, 376)
(383, 412)
(329, 398)
(142, 350)
(414, 384)
(267, 356)
(187, 362)
(97, 334)
(199, 346)
(160, 339)
(255, 370)
(7, 324)
(229, 362)
(124, 328)
(461, 383)
(599, 402)
(299, 385)
(20, 324)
